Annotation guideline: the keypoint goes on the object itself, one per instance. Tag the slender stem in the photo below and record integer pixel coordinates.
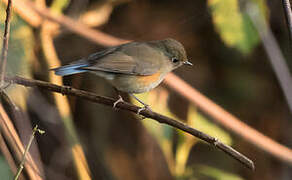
(288, 16)
(65, 90)
(20, 168)
(3, 58)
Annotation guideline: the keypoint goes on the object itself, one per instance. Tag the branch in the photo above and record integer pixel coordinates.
(66, 90)
(4, 52)
(288, 16)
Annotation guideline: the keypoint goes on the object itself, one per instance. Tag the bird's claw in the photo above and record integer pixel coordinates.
(118, 101)
(146, 107)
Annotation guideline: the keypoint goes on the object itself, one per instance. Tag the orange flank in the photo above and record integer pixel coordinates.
(148, 80)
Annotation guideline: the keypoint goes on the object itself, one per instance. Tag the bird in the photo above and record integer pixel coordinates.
(134, 67)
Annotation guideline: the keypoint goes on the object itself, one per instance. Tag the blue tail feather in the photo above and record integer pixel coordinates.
(70, 69)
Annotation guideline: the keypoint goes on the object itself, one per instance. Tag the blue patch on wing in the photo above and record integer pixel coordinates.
(70, 69)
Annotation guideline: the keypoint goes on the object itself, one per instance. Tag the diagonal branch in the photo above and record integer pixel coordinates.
(66, 90)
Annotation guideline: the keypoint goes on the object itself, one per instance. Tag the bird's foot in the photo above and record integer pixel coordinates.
(145, 107)
(118, 101)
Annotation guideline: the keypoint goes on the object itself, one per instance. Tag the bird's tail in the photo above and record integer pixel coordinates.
(70, 69)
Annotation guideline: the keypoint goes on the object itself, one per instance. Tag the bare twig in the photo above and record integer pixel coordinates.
(126, 106)
(4, 51)
(20, 168)
(288, 17)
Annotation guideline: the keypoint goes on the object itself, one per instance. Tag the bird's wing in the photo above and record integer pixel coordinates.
(130, 59)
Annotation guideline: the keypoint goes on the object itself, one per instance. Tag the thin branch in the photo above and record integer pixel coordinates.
(288, 16)
(65, 90)
(4, 52)
(21, 165)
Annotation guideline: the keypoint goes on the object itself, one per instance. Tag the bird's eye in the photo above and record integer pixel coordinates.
(174, 60)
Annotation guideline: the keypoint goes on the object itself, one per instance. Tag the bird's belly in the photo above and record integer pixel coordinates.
(136, 84)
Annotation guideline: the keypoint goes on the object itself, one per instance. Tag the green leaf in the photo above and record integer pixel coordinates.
(234, 27)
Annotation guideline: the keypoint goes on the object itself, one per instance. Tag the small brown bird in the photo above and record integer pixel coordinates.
(135, 67)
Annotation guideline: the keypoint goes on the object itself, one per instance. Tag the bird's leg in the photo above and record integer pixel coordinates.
(119, 100)
(146, 106)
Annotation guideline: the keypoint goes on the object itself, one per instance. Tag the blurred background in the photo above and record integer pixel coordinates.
(85, 140)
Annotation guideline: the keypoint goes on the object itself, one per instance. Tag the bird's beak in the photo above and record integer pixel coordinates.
(188, 63)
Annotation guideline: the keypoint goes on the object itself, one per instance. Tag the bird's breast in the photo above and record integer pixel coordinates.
(137, 84)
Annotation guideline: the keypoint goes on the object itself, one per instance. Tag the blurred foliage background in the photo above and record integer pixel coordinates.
(230, 67)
